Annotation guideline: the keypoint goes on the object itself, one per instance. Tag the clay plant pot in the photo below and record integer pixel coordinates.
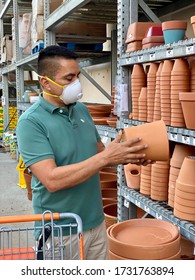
(132, 175)
(144, 239)
(187, 171)
(179, 153)
(153, 134)
(192, 20)
(108, 180)
(188, 107)
(174, 31)
(110, 214)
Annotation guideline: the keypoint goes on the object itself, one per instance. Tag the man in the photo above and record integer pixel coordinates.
(59, 143)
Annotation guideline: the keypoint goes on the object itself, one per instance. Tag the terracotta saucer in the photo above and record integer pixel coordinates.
(144, 239)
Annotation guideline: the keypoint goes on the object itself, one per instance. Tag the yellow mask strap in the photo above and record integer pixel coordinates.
(47, 93)
(47, 78)
(50, 94)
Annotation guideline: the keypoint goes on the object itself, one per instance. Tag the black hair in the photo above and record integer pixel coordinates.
(48, 59)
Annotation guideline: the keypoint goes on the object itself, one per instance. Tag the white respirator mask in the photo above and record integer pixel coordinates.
(71, 93)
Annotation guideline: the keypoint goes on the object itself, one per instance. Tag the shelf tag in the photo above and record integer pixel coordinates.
(104, 139)
(147, 209)
(137, 203)
(152, 56)
(158, 216)
(126, 203)
(173, 137)
(189, 49)
(185, 139)
(140, 58)
(169, 53)
(3, 100)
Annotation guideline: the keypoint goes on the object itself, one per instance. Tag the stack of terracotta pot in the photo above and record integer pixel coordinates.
(138, 80)
(144, 239)
(179, 153)
(145, 180)
(142, 103)
(151, 88)
(135, 34)
(108, 180)
(110, 214)
(165, 91)
(153, 37)
(180, 82)
(157, 98)
(184, 203)
(159, 180)
(101, 113)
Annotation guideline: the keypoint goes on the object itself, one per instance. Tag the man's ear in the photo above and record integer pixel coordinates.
(44, 83)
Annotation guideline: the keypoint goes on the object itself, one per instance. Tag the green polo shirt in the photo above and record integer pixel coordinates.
(68, 135)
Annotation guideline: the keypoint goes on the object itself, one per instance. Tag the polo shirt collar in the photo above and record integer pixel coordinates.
(52, 108)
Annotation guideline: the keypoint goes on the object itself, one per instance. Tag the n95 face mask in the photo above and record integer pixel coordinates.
(72, 92)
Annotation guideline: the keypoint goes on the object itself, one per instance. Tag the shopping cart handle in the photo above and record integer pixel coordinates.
(29, 218)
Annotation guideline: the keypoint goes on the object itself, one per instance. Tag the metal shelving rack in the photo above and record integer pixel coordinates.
(122, 12)
(129, 199)
(67, 10)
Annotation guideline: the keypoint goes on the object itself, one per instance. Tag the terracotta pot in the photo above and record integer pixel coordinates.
(187, 171)
(174, 24)
(147, 132)
(144, 239)
(137, 30)
(188, 107)
(110, 214)
(109, 193)
(108, 180)
(192, 20)
(132, 174)
(179, 153)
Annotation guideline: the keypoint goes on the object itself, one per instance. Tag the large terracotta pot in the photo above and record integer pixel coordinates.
(155, 136)
(108, 180)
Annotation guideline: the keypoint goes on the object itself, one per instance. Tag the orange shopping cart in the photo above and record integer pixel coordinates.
(17, 241)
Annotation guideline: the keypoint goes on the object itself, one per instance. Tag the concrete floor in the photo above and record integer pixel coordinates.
(13, 199)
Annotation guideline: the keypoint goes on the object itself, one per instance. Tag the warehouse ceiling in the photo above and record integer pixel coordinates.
(105, 11)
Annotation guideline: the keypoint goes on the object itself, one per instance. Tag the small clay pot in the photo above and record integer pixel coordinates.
(132, 174)
(187, 171)
(147, 132)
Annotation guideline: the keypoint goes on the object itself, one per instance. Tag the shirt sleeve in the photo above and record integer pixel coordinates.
(33, 144)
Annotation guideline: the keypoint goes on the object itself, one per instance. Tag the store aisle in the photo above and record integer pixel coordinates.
(13, 199)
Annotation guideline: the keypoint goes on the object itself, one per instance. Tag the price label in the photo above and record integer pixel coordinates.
(128, 60)
(152, 56)
(186, 139)
(147, 209)
(158, 216)
(126, 203)
(140, 58)
(189, 49)
(169, 53)
(173, 137)
(137, 203)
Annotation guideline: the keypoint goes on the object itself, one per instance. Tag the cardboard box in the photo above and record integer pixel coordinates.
(37, 28)
(6, 49)
(38, 6)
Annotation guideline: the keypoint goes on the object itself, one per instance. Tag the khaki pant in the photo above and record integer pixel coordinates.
(95, 245)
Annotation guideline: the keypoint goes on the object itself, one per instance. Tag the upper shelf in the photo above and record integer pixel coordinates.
(167, 51)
